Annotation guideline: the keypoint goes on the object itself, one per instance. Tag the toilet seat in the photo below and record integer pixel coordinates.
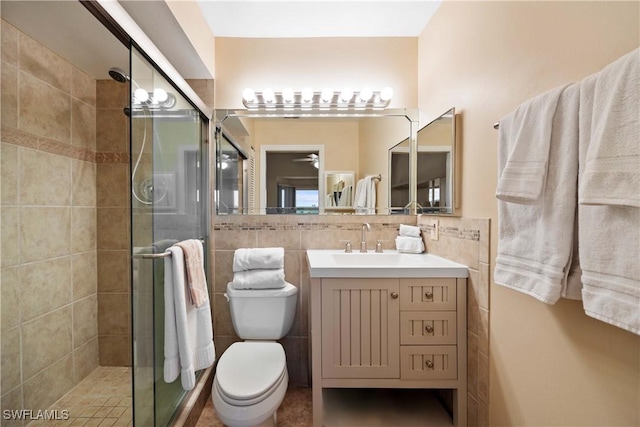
(249, 372)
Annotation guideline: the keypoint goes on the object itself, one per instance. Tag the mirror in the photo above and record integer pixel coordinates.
(331, 147)
(340, 190)
(436, 144)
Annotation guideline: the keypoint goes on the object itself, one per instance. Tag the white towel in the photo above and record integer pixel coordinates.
(188, 333)
(345, 197)
(409, 245)
(522, 178)
(611, 174)
(409, 230)
(535, 241)
(257, 259)
(259, 279)
(609, 236)
(365, 200)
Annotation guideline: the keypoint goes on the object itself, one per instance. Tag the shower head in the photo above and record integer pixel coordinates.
(118, 75)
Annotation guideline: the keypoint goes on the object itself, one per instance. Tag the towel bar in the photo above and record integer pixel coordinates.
(158, 255)
(496, 125)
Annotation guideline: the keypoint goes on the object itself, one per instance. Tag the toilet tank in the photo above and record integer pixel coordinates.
(262, 314)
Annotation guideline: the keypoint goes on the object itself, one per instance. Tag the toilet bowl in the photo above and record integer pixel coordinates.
(250, 384)
(251, 376)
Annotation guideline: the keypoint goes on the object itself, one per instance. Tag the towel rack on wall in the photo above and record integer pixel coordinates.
(379, 177)
(496, 125)
(158, 255)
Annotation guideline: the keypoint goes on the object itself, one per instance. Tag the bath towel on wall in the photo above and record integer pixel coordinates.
(528, 136)
(188, 333)
(536, 235)
(608, 193)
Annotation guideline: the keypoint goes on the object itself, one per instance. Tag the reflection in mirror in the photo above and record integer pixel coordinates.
(356, 143)
(231, 193)
(340, 191)
(435, 168)
(292, 182)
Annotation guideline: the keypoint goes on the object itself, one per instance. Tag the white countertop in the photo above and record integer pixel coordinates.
(338, 263)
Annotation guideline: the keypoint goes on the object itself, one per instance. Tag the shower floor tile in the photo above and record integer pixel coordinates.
(102, 399)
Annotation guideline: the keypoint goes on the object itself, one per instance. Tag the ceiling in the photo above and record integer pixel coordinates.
(318, 18)
(68, 29)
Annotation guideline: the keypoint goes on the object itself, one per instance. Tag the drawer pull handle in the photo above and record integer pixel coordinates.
(429, 364)
(394, 295)
(429, 329)
(429, 295)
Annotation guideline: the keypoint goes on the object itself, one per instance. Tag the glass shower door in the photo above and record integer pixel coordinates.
(167, 178)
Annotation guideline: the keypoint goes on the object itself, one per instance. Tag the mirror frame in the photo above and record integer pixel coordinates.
(410, 114)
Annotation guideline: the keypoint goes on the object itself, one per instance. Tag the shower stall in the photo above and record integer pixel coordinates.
(168, 204)
(106, 159)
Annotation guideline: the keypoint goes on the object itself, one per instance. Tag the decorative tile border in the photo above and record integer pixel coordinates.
(25, 139)
(112, 157)
(301, 226)
(455, 232)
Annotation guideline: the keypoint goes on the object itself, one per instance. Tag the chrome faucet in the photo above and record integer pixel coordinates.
(363, 240)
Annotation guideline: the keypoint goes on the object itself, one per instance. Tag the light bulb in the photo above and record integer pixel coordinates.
(160, 95)
(307, 94)
(141, 95)
(268, 95)
(346, 95)
(249, 95)
(287, 94)
(326, 95)
(365, 94)
(386, 93)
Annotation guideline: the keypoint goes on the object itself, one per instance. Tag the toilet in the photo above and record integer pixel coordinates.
(251, 376)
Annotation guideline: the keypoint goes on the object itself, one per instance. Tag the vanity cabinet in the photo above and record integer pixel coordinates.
(389, 333)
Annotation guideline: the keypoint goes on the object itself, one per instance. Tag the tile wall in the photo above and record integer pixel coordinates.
(49, 261)
(466, 240)
(114, 223)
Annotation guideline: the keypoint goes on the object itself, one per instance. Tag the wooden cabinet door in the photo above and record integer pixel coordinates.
(360, 325)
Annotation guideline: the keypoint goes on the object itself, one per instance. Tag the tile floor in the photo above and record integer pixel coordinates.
(354, 408)
(102, 399)
(295, 410)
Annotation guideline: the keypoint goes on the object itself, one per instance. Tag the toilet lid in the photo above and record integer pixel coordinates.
(247, 370)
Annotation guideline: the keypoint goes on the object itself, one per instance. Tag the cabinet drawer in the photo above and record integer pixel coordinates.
(428, 327)
(428, 362)
(428, 294)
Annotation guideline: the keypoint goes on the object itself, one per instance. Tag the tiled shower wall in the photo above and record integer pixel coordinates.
(466, 240)
(49, 291)
(114, 224)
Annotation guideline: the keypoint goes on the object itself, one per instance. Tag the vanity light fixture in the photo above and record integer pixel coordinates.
(158, 99)
(308, 99)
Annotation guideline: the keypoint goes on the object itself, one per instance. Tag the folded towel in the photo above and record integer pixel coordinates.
(409, 245)
(611, 173)
(536, 241)
(409, 230)
(258, 259)
(522, 178)
(194, 261)
(188, 333)
(259, 279)
(608, 255)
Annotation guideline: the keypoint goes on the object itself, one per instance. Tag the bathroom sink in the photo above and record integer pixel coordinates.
(337, 263)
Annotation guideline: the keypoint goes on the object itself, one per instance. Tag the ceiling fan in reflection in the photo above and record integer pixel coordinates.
(311, 158)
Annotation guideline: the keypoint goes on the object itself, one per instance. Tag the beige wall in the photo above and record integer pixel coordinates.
(550, 365)
(49, 290)
(318, 63)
